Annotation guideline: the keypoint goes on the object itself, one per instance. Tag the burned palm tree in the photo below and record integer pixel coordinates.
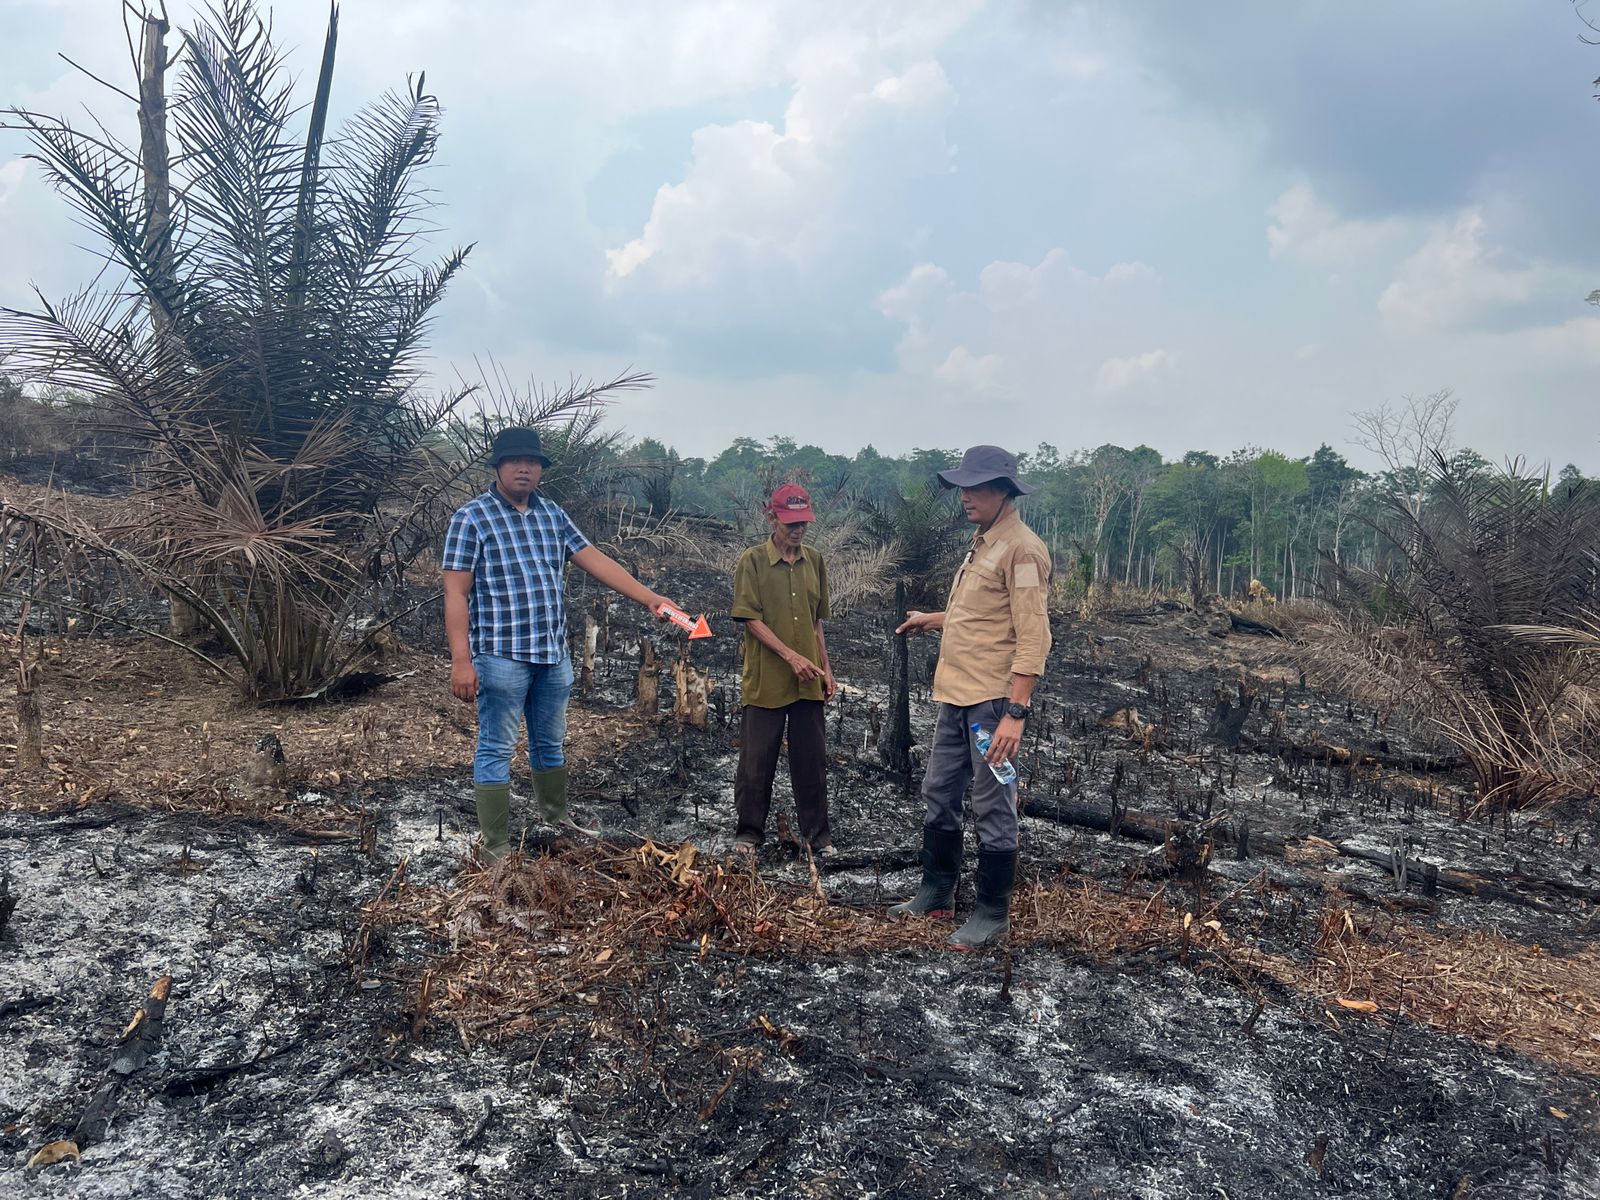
(260, 350)
(928, 535)
(1477, 627)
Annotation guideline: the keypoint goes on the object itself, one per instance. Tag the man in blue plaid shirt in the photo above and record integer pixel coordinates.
(505, 557)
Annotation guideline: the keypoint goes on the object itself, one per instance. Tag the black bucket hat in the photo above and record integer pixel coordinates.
(516, 442)
(984, 464)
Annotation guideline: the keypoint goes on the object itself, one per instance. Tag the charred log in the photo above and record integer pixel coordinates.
(1258, 628)
(1345, 756)
(143, 1033)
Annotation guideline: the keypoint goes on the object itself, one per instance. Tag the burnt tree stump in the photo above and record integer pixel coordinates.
(646, 691)
(30, 753)
(1228, 718)
(143, 1034)
(693, 688)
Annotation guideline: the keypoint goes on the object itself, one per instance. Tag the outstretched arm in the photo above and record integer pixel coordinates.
(920, 622)
(615, 576)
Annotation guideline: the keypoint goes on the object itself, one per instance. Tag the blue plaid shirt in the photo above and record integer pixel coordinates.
(517, 607)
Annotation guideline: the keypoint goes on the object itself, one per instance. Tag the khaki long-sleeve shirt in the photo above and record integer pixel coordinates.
(996, 622)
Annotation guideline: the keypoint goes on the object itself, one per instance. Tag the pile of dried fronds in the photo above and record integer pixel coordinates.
(574, 931)
(533, 938)
(1474, 982)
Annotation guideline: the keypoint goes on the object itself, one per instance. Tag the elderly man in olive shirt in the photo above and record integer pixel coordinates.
(996, 631)
(780, 595)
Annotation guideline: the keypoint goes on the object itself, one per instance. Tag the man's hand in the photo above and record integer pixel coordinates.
(917, 623)
(657, 604)
(1006, 742)
(829, 687)
(804, 669)
(464, 681)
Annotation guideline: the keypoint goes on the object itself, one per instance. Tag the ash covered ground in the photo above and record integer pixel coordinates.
(292, 1065)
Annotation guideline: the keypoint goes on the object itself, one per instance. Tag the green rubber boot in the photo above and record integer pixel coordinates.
(550, 790)
(494, 817)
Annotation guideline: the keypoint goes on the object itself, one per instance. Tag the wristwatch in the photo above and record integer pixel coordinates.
(1020, 711)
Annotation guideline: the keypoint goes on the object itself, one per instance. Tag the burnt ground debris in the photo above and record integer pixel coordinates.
(290, 1065)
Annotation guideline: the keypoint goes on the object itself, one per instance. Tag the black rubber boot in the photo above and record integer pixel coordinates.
(991, 915)
(941, 866)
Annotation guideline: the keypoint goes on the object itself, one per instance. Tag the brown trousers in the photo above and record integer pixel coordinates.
(760, 740)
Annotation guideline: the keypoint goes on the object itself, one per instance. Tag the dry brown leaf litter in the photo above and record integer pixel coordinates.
(536, 940)
(146, 725)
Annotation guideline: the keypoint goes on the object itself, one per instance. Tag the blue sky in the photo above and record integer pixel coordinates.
(940, 222)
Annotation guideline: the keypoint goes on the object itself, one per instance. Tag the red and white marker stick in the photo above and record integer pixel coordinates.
(697, 627)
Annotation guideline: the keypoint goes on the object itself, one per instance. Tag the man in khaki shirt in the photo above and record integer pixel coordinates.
(780, 596)
(996, 631)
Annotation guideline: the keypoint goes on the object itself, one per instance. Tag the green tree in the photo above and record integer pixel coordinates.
(1190, 504)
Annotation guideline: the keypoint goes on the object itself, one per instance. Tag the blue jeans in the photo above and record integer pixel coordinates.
(510, 692)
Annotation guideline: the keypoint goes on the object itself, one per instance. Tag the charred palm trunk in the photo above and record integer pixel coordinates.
(155, 164)
(895, 746)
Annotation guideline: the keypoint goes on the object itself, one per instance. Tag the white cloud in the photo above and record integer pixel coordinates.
(1453, 280)
(1029, 331)
(757, 197)
(966, 370)
(1116, 374)
(1305, 229)
(925, 287)
(1574, 343)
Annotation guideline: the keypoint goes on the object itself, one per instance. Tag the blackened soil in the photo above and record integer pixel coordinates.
(1032, 1072)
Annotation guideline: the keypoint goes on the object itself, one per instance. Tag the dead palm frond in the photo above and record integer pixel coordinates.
(1485, 628)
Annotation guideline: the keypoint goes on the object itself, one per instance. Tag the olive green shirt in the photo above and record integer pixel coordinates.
(790, 598)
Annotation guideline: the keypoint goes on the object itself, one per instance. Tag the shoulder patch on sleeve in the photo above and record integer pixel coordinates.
(1025, 575)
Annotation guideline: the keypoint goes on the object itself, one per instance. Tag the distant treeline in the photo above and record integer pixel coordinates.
(1203, 522)
(1108, 514)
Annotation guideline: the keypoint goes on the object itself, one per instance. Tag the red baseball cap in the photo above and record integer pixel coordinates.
(791, 504)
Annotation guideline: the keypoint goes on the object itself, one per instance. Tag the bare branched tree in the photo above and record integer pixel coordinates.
(1407, 439)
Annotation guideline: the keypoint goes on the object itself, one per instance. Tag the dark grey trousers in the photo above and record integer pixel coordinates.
(954, 762)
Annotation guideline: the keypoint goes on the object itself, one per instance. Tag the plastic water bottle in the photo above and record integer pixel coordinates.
(1005, 772)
